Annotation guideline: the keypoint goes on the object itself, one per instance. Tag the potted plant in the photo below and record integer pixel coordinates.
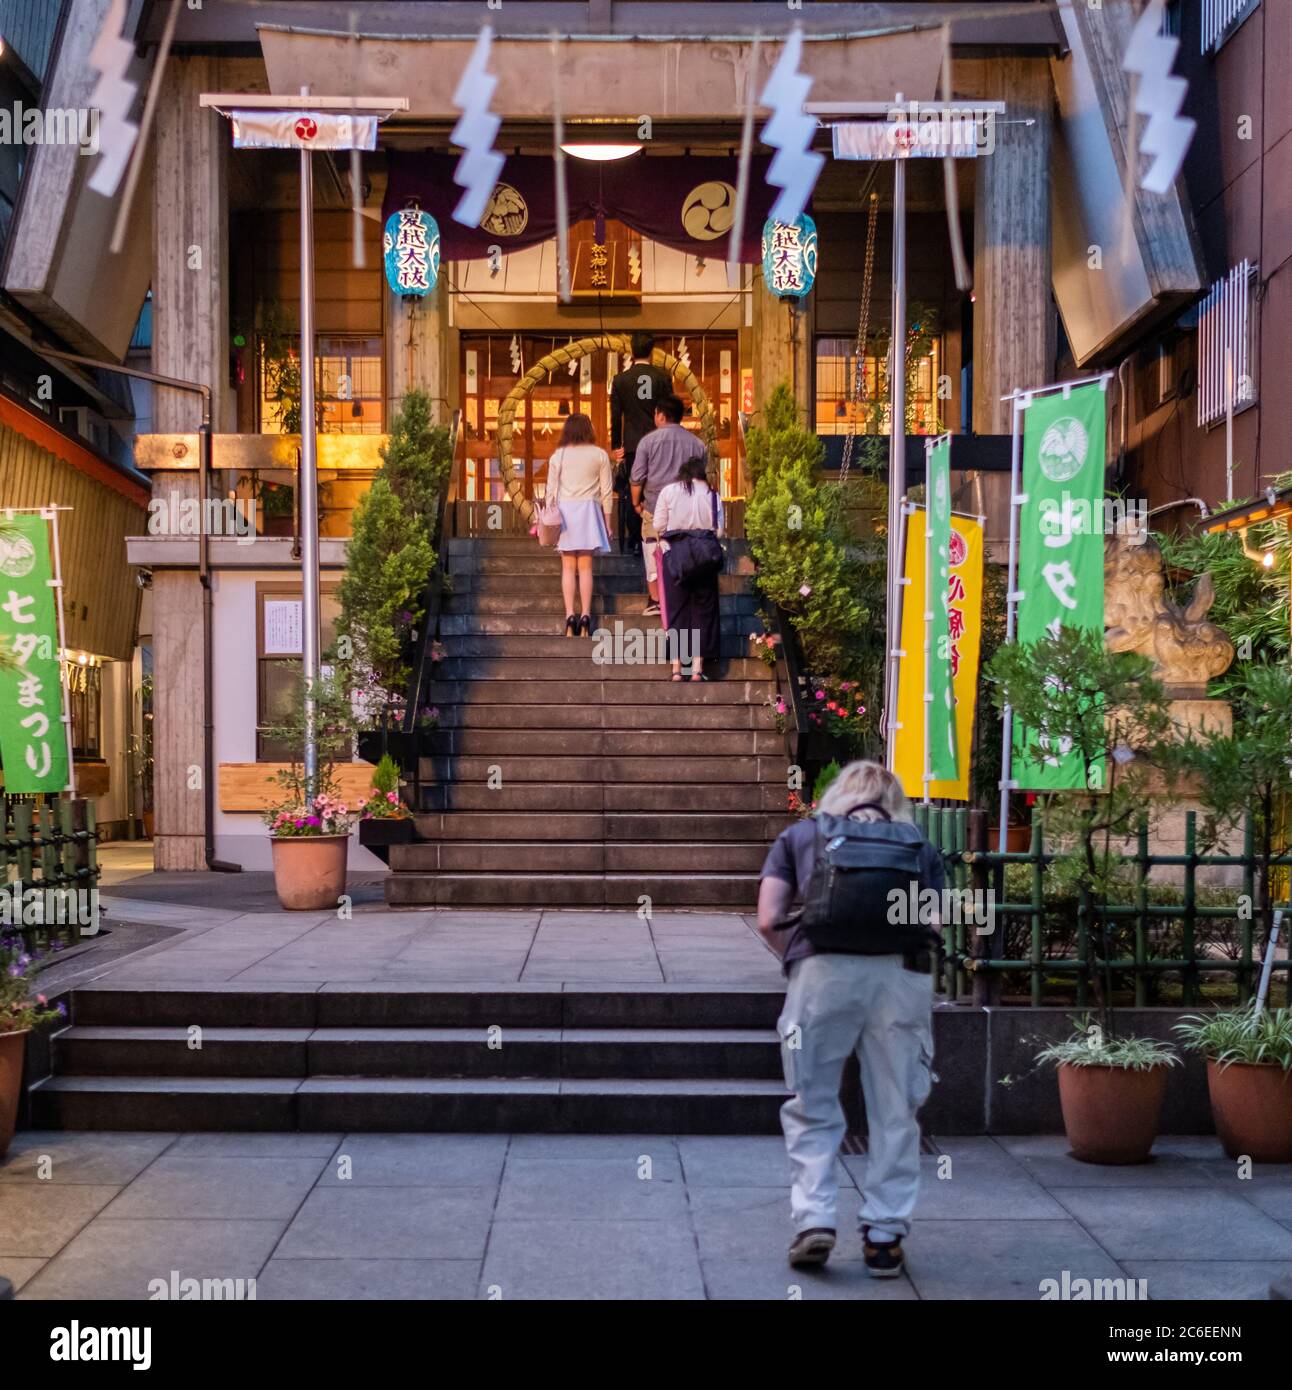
(20, 1012)
(309, 824)
(1110, 714)
(1249, 1078)
(1111, 1092)
(384, 819)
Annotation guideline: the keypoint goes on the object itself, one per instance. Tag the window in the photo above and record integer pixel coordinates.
(1219, 20)
(1226, 319)
(84, 703)
(836, 410)
(278, 659)
(347, 385)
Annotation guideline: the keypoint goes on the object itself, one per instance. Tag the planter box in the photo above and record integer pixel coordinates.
(379, 835)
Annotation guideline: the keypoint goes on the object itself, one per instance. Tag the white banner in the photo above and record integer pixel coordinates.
(931, 137)
(303, 130)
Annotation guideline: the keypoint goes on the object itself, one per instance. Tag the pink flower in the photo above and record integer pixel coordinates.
(392, 797)
(805, 590)
(830, 704)
(361, 803)
(820, 694)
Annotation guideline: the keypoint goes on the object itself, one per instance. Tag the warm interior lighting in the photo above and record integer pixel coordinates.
(601, 153)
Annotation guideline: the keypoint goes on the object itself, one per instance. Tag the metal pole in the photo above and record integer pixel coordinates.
(307, 481)
(1011, 602)
(896, 450)
(51, 515)
(1267, 961)
(928, 622)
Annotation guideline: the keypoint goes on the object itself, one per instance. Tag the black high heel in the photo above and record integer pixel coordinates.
(571, 626)
(585, 625)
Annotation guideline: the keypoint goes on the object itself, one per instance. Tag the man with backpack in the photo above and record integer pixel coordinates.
(860, 980)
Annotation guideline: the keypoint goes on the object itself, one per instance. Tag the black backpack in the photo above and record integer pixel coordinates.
(846, 903)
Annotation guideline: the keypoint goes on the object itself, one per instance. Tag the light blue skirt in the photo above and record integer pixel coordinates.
(583, 526)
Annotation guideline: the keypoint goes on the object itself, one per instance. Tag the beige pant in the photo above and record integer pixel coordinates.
(650, 547)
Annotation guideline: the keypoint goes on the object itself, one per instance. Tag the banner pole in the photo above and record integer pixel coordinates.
(1056, 386)
(1011, 601)
(928, 622)
(51, 515)
(896, 449)
(308, 481)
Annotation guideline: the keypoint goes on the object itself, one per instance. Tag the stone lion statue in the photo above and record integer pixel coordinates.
(1139, 616)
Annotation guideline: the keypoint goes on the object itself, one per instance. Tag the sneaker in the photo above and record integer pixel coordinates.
(883, 1261)
(811, 1247)
(651, 610)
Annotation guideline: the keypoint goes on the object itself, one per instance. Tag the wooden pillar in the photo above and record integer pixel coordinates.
(421, 352)
(782, 347)
(190, 342)
(1013, 330)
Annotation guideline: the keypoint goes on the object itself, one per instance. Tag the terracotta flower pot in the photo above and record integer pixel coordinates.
(1111, 1114)
(11, 1050)
(1251, 1103)
(309, 870)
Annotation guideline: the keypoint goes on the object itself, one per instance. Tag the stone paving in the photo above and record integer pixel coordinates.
(232, 945)
(326, 1216)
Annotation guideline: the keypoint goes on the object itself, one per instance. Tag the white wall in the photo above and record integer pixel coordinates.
(241, 837)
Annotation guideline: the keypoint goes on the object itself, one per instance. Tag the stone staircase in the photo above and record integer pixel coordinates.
(556, 779)
(635, 1059)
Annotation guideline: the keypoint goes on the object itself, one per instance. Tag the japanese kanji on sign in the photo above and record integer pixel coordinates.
(1061, 553)
(412, 247)
(964, 640)
(789, 257)
(33, 738)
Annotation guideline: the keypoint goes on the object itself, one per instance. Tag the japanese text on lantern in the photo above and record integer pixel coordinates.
(787, 258)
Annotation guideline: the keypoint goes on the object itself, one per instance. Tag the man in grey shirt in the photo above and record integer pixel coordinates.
(658, 461)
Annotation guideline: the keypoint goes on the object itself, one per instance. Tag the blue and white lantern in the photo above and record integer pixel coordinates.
(412, 246)
(789, 256)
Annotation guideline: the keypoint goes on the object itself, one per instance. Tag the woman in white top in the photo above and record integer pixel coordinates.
(690, 612)
(580, 482)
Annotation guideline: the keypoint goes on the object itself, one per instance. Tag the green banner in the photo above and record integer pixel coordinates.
(1060, 550)
(33, 741)
(941, 700)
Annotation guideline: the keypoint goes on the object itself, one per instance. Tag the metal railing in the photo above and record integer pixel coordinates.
(1073, 957)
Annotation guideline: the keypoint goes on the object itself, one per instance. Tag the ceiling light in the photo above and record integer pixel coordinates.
(601, 153)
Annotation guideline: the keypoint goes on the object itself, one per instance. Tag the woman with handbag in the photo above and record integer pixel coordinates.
(580, 494)
(688, 521)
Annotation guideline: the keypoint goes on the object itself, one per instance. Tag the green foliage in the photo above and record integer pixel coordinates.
(280, 364)
(1251, 602)
(417, 459)
(21, 1007)
(391, 553)
(1091, 1046)
(1109, 711)
(798, 534)
(334, 733)
(823, 779)
(385, 776)
(1241, 1035)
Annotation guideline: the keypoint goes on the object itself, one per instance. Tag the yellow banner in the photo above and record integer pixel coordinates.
(964, 596)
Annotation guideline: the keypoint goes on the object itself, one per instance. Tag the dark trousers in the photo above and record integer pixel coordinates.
(630, 524)
(695, 610)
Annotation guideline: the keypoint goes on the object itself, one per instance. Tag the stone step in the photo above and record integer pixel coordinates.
(513, 545)
(596, 691)
(625, 586)
(458, 629)
(342, 1105)
(647, 742)
(518, 671)
(674, 779)
(750, 797)
(650, 718)
(536, 561)
(400, 1003)
(750, 827)
(732, 892)
(614, 647)
(551, 601)
(419, 1052)
(584, 856)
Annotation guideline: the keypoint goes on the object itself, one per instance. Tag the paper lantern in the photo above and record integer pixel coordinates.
(789, 256)
(412, 246)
